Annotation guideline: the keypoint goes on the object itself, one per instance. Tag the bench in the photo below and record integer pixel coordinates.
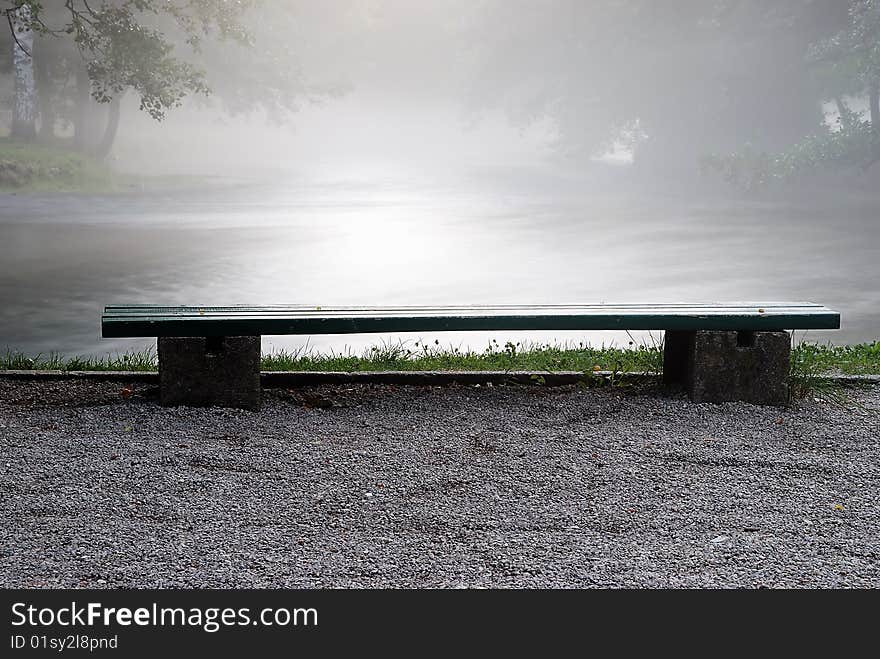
(717, 352)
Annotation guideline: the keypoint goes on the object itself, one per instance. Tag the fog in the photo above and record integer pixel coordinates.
(383, 91)
(362, 136)
(443, 151)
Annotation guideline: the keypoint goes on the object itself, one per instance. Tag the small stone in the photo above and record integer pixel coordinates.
(719, 539)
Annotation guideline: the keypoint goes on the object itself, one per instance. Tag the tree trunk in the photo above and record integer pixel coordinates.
(874, 109)
(44, 95)
(110, 129)
(842, 112)
(874, 105)
(24, 114)
(81, 114)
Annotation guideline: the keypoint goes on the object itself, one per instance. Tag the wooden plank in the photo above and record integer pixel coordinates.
(251, 320)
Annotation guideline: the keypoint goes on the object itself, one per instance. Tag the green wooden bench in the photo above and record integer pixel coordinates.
(211, 355)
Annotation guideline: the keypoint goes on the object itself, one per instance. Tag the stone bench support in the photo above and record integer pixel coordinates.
(719, 366)
(207, 371)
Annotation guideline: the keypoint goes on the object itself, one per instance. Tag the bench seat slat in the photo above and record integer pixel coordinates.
(295, 308)
(241, 320)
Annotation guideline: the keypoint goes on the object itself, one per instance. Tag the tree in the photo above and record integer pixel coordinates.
(263, 74)
(845, 63)
(24, 113)
(851, 57)
(112, 46)
(676, 79)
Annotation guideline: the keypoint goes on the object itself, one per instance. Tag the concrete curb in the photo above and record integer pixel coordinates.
(432, 378)
(271, 379)
(149, 377)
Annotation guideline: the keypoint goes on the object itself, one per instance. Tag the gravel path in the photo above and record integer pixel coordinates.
(368, 486)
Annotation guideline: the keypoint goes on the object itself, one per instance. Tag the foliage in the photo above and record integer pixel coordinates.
(846, 62)
(853, 52)
(851, 144)
(129, 43)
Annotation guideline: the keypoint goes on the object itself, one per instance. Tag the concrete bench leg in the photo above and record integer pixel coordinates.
(212, 371)
(725, 366)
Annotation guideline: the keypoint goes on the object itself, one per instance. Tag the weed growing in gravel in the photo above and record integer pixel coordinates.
(812, 364)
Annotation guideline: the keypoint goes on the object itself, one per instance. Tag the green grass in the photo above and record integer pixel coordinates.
(136, 360)
(824, 359)
(27, 167)
(35, 167)
(810, 362)
(420, 356)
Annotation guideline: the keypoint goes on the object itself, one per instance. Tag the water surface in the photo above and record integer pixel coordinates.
(63, 257)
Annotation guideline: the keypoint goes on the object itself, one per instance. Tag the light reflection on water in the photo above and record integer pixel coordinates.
(63, 258)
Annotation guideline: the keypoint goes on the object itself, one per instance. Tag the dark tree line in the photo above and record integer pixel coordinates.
(678, 80)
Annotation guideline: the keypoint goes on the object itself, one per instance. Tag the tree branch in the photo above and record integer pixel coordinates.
(12, 29)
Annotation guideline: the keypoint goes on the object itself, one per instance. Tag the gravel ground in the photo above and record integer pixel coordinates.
(380, 486)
